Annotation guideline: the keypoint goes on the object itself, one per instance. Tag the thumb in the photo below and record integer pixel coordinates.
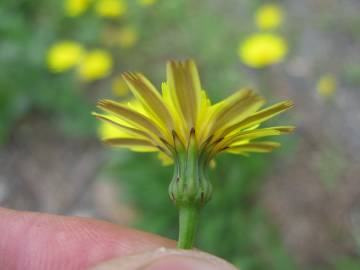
(165, 259)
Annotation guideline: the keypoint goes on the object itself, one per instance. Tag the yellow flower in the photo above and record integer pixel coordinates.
(146, 2)
(119, 86)
(128, 36)
(262, 49)
(64, 55)
(95, 65)
(74, 8)
(183, 126)
(124, 37)
(110, 8)
(169, 121)
(268, 16)
(326, 85)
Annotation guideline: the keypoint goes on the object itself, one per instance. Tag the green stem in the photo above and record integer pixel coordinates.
(188, 219)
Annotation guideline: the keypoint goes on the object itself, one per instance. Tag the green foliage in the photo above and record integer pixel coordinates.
(348, 263)
(26, 30)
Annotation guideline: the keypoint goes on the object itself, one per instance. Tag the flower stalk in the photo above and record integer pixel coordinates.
(189, 188)
(188, 221)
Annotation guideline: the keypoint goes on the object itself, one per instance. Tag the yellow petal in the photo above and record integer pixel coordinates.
(203, 124)
(185, 89)
(235, 108)
(284, 129)
(260, 116)
(179, 123)
(250, 135)
(246, 136)
(256, 147)
(135, 118)
(144, 149)
(115, 123)
(150, 98)
(165, 159)
(127, 142)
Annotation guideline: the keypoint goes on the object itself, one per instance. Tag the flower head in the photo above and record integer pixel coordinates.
(119, 86)
(64, 55)
(262, 49)
(74, 8)
(268, 16)
(326, 85)
(183, 115)
(95, 64)
(124, 37)
(184, 126)
(147, 2)
(128, 37)
(110, 8)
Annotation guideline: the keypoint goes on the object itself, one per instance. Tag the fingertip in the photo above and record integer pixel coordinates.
(36, 241)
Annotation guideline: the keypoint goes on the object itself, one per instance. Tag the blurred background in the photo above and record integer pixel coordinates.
(297, 208)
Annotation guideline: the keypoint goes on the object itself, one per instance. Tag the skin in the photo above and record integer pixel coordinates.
(36, 241)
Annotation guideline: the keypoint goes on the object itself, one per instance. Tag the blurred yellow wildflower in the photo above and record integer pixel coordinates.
(75, 8)
(110, 8)
(326, 85)
(128, 36)
(95, 65)
(64, 55)
(262, 49)
(268, 16)
(124, 37)
(146, 2)
(119, 86)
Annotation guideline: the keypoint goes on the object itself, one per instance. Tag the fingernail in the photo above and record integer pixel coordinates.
(180, 263)
(165, 259)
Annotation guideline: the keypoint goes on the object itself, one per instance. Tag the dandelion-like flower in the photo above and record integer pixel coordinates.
(110, 8)
(183, 124)
(95, 64)
(64, 55)
(124, 37)
(262, 49)
(74, 8)
(268, 16)
(119, 88)
(147, 2)
(326, 85)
